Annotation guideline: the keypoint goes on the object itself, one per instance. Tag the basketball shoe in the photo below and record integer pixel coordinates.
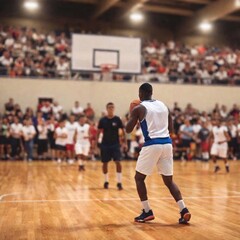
(185, 216)
(119, 186)
(217, 168)
(81, 168)
(144, 217)
(106, 185)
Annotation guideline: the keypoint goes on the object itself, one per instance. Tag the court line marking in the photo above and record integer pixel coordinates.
(112, 199)
(6, 195)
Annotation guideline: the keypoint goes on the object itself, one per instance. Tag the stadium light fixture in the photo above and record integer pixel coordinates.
(31, 5)
(136, 17)
(237, 3)
(205, 26)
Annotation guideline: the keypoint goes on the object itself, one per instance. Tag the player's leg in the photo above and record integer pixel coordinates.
(175, 192)
(214, 154)
(165, 168)
(105, 173)
(145, 164)
(106, 156)
(117, 158)
(223, 150)
(79, 154)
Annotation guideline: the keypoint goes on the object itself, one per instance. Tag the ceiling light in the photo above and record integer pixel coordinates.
(237, 3)
(205, 26)
(136, 17)
(31, 5)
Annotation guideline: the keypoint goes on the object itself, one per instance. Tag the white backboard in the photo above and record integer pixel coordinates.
(90, 51)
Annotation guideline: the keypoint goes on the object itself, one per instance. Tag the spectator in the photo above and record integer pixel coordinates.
(61, 135)
(186, 135)
(42, 149)
(57, 110)
(89, 112)
(77, 110)
(16, 134)
(9, 107)
(28, 132)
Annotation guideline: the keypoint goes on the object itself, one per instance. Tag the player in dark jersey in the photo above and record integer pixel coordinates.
(110, 145)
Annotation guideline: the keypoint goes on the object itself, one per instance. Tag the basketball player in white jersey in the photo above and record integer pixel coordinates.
(82, 143)
(220, 144)
(156, 123)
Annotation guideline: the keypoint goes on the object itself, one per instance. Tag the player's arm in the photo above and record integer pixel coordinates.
(170, 123)
(75, 136)
(137, 113)
(228, 138)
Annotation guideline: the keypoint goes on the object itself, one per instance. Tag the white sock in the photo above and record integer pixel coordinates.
(226, 164)
(181, 205)
(80, 161)
(106, 177)
(119, 177)
(146, 206)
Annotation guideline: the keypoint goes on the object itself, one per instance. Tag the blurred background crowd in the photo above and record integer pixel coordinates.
(26, 52)
(32, 131)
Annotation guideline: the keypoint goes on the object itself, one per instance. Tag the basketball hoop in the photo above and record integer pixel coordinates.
(106, 69)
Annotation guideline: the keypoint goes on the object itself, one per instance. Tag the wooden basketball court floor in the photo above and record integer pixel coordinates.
(45, 200)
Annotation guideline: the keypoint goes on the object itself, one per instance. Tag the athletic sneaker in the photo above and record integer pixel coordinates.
(106, 185)
(70, 161)
(59, 160)
(144, 217)
(227, 169)
(119, 186)
(185, 216)
(217, 168)
(81, 168)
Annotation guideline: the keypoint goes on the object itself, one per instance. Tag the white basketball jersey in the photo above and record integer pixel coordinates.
(218, 133)
(83, 134)
(155, 123)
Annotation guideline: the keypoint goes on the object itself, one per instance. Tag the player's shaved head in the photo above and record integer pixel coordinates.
(145, 91)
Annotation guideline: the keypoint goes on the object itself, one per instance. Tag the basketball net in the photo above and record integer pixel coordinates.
(106, 70)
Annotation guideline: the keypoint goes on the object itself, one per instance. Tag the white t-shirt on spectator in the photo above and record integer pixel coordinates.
(223, 114)
(77, 110)
(231, 58)
(9, 42)
(42, 132)
(56, 110)
(62, 69)
(71, 127)
(60, 131)
(28, 132)
(221, 75)
(150, 49)
(16, 129)
(6, 61)
(196, 128)
(45, 109)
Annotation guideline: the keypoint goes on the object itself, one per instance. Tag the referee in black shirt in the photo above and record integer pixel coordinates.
(110, 145)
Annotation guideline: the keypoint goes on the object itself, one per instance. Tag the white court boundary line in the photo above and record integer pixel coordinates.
(6, 195)
(111, 199)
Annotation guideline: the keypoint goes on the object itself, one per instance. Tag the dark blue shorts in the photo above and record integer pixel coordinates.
(110, 152)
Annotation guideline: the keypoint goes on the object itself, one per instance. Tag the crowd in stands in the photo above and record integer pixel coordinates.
(33, 134)
(27, 52)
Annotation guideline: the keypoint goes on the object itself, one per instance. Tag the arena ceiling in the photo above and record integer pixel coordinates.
(186, 14)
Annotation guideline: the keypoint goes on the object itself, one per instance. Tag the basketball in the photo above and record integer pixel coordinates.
(133, 104)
